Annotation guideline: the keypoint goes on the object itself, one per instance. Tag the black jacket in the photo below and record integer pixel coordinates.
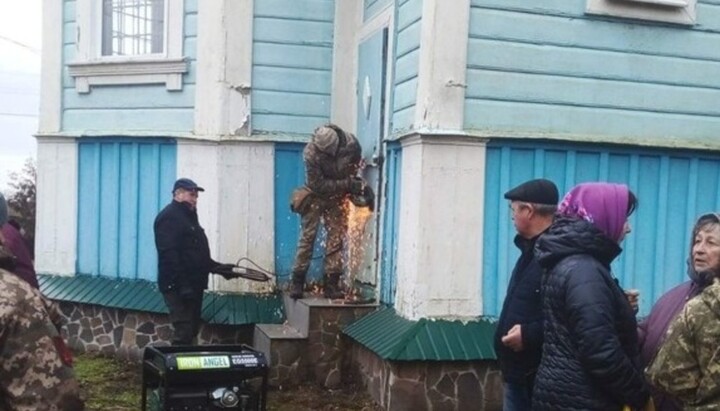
(183, 250)
(590, 354)
(523, 306)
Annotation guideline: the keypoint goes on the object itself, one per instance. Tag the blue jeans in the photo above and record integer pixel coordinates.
(518, 397)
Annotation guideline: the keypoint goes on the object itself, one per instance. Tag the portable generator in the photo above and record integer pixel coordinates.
(204, 378)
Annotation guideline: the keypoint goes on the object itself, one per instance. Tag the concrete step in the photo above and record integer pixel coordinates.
(308, 345)
(283, 346)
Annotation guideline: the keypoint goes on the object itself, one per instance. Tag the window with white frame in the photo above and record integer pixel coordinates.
(669, 11)
(129, 42)
(133, 27)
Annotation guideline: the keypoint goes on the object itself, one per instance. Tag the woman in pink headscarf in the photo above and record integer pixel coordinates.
(590, 355)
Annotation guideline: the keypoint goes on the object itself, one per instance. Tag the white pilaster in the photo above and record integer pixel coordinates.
(51, 70)
(443, 65)
(224, 68)
(348, 18)
(246, 211)
(237, 208)
(56, 224)
(441, 225)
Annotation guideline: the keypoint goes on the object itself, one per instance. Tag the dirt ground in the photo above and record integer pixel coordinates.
(111, 385)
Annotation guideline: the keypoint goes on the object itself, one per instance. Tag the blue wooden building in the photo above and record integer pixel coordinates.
(453, 101)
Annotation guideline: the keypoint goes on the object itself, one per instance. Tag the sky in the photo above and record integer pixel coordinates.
(20, 44)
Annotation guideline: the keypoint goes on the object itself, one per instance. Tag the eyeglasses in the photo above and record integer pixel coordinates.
(518, 207)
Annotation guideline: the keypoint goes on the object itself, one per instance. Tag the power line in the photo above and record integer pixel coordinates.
(21, 44)
(18, 114)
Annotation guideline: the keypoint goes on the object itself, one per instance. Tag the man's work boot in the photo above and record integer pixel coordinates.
(332, 287)
(298, 285)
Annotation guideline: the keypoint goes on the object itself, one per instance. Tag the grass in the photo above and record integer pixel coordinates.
(113, 385)
(108, 384)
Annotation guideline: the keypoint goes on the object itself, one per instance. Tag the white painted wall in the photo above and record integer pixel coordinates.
(56, 225)
(51, 70)
(237, 208)
(224, 68)
(348, 18)
(443, 65)
(441, 225)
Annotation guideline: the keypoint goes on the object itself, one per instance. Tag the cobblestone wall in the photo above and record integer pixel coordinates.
(123, 333)
(430, 385)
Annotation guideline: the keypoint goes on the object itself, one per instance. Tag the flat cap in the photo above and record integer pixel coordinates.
(187, 184)
(540, 191)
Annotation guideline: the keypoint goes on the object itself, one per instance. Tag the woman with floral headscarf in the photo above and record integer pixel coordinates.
(590, 351)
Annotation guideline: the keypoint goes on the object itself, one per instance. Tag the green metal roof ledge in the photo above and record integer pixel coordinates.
(142, 295)
(395, 338)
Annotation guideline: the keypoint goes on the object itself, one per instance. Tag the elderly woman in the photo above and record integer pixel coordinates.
(688, 364)
(653, 329)
(590, 358)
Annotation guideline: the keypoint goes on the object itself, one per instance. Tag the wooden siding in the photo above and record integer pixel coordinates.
(292, 65)
(371, 8)
(290, 174)
(122, 185)
(391, 224)
(673, 189)
(548, 68)
(129, 108)
(407, 59)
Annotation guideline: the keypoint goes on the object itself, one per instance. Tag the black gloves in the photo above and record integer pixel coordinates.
(225, 270)
(356, 185)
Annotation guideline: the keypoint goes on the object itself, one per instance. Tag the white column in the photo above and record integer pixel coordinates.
(348, 18)
(51, 70)
(443, 65)
(224, 68)
(246, 211)
(56, 223)
(237, 207)
(441, 224)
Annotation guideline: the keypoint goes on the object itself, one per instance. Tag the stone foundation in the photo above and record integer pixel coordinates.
(124, 334)
(427, 385)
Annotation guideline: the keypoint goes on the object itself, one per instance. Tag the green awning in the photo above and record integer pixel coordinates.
(144, 296)
(392, 337)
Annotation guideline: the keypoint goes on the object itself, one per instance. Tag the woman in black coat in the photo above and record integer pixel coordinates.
(590, 351)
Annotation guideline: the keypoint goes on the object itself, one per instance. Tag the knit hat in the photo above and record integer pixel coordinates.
(605, 205)
(540, 191)
(3, 210)
(326, 140)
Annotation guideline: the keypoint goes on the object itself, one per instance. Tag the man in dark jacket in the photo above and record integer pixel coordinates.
(518, 337)
(331, 159)
(183, 260)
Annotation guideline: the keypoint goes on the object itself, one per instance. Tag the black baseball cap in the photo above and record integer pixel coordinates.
(187, 184)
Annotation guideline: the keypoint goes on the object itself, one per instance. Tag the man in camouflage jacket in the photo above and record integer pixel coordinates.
(331, 161)
(33, 376)
(688, 363)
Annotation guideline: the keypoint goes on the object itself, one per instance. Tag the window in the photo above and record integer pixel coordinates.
(133, 27)
(128, 42)
(670, 11)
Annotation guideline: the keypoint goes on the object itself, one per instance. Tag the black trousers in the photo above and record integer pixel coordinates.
(184, 316)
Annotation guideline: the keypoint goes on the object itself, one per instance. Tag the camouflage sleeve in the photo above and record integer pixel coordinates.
(32, 374)
(317, 181)
(675, 370)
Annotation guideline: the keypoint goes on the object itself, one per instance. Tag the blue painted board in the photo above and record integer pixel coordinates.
(156, 121)
(372, 8)
(290, 174)
(391, 224)
(673, 188)
(292, 63)
(122, 184)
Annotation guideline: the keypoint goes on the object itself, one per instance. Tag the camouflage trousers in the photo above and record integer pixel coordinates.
(333, 214)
